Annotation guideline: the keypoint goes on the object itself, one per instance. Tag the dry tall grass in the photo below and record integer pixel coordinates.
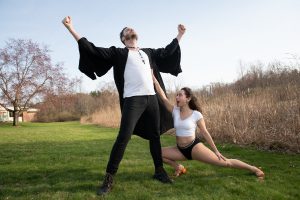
(259, 119)
(109, 117)
(261, 109)
(267, 118)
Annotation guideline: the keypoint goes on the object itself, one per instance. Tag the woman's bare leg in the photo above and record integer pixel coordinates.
(170, 155)
(201, 153)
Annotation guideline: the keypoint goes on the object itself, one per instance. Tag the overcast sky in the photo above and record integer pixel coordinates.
(220, 34)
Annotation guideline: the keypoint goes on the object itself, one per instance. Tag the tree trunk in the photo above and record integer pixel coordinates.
(16, 117)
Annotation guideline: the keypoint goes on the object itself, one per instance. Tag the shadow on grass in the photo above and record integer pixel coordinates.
(66, 180)
(28, 169)
(38, 181)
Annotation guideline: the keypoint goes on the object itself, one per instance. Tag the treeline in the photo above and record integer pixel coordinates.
(73, 106)
(276, 75)
(261, 108)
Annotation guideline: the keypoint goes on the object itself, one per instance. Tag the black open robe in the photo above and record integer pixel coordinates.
(98, 61)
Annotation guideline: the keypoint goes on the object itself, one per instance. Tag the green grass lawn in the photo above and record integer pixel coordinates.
(68, 160)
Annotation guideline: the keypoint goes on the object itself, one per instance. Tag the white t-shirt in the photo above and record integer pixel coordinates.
(137, 76)
(186, 127)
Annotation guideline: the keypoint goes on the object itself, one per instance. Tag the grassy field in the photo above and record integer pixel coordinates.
(67, 161)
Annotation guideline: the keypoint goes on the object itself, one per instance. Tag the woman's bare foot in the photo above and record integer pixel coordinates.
(259, 173)
(180, 170)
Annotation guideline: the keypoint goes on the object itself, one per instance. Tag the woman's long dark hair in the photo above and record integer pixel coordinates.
(193, 103)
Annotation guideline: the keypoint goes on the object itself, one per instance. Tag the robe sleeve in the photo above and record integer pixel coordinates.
(95, 60)
(168, 59)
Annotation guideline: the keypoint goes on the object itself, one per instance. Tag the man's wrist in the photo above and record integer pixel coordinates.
(70, 28)
(179, 37)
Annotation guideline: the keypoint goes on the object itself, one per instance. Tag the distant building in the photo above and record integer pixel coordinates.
(26, 116)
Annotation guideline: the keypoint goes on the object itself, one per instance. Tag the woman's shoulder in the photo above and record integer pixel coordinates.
(197, 112)
(198, 115)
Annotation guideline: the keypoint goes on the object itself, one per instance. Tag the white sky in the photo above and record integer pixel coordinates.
(220, 34)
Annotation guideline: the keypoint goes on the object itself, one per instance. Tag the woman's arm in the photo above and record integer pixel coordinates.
(67, 21)
(208, 138)
(162, 94)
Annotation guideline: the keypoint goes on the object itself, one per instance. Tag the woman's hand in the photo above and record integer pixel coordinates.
(153, 78)
(220, 156)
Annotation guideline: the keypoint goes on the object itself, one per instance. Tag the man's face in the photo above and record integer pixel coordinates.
(129, 37)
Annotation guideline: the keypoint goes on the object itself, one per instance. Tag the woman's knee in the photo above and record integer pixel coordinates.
(166, 152)
(165, 159)
(228, 163)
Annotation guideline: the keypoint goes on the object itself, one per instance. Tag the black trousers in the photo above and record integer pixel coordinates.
(133, 109)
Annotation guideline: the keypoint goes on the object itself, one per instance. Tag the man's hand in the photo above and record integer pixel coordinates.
(181, 29)
(67, 22)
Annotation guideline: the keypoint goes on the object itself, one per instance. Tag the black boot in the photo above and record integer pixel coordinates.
(106, 185)
(162, 176)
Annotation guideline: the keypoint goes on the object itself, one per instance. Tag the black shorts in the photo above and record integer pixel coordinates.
(187, 150)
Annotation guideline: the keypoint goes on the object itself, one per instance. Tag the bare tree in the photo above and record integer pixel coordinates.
(26, 72)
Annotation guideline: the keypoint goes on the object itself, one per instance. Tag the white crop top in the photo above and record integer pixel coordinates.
(186, 127)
